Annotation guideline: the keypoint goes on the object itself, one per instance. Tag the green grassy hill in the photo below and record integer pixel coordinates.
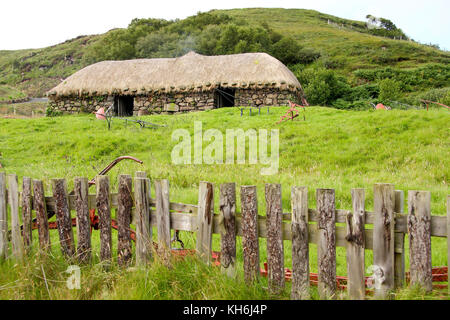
(346, 48)
(306, 40)
(37, 70)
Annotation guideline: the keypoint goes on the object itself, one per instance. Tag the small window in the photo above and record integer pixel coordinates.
(123, 106)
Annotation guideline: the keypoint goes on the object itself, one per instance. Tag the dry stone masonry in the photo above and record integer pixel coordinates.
(175, 102)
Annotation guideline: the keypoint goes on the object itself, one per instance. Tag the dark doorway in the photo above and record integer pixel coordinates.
(224, 97)
(123, 106)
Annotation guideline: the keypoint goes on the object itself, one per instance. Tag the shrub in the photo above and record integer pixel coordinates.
(364, 92)
(431, 75)
(322, 86)
(51, 112)
(318, 92)
(389, 90)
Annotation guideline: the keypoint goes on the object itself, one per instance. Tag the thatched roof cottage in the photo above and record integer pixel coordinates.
(188, 83)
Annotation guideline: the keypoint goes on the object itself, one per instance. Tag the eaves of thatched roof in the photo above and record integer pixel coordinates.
(191, 72)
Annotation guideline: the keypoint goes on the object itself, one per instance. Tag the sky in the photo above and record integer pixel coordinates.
(28, 24)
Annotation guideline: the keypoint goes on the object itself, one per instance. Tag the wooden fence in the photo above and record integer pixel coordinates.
(302, 226)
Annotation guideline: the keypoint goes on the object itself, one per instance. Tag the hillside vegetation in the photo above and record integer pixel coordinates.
(339, 62)
(8, 93)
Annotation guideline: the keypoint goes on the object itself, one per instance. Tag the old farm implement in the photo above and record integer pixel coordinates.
(94, 219)
(292, 113)
(108, 115)
(427, 102)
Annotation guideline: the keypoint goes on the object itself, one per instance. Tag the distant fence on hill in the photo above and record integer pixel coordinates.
(382, 231)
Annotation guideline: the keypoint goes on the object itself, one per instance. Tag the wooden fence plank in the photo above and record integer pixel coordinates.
(355, 247)
(250, 241)
(399, 257)
(227, 203)
(63, 217)
(162, 213)
(13, 200)
(205, 220)
(3, 218)
(124, 207)
(300, 244)
(275, 248)
(188, 222)
(326, 245)
(27, 217)
(419, 227)
(438, 224)
(143, 230)
(104, 214)
(182, 207)
(383, 239)
(84, 250)
(41, 215)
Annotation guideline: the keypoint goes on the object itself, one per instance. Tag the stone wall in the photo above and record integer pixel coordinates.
(175, 102)
(264, 97)
(77, 104)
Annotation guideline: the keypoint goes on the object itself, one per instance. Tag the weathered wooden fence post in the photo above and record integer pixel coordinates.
(205, 220)
(143, 174)
(419, 230)
(326, 247)
(143, 231)
(81, 190)
(41, 215)
(3, 218)
(399, 258)
(250, 240)
(63, 217)
(355, 246)
(13, 200)
(27, 205)
(124, 208)
(383, 239)
(104, 214)
(300, 244)
(227, 204)
(275, 248)
(163, 215)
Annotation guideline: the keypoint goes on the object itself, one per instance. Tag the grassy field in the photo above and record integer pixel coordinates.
(331, 149)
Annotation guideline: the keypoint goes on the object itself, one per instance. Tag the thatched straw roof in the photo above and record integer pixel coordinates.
(189, 72)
